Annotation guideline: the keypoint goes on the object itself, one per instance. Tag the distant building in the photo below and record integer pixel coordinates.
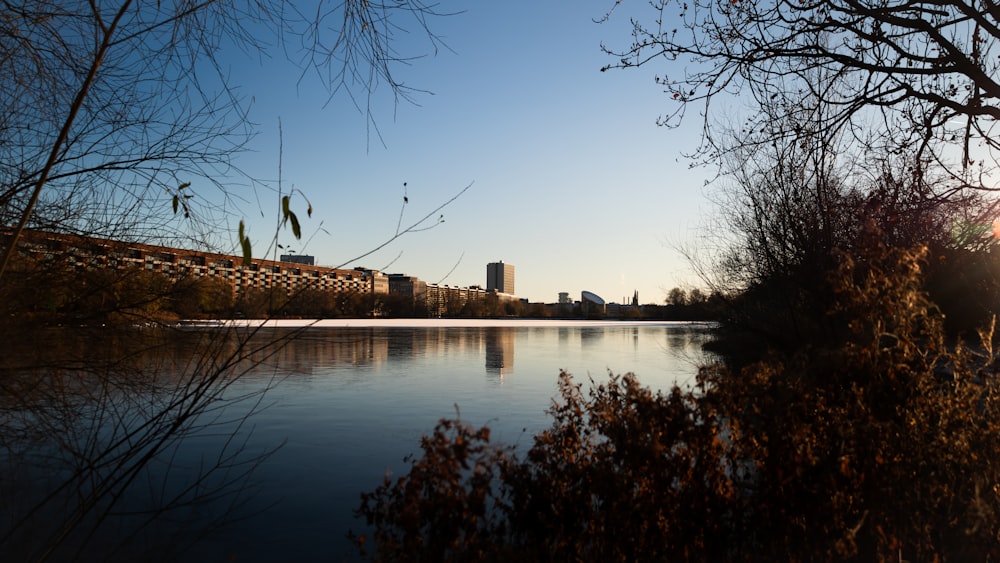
(299, 259)
(564, 298)
(408, 286)
(292, 274)
(500, 277)
(176, 263)
(379, 282)
(592, 304)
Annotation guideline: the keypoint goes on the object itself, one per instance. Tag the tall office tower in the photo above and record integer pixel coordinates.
(500, 276)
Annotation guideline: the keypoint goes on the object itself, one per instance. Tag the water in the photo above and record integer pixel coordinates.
(346, 404)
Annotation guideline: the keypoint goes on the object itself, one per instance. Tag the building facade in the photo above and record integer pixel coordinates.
(174, 263)
(408, 286)
(500, 277)
(299, 259)
(290, 277)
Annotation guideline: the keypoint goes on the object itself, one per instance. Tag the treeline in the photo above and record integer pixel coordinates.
(54, 290)
(688, 305)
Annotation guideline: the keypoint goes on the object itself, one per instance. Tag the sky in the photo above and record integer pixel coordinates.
(572, 180)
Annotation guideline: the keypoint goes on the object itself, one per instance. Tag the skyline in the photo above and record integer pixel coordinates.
(572, 180)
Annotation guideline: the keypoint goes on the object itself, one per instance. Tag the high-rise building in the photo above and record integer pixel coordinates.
(500, 277)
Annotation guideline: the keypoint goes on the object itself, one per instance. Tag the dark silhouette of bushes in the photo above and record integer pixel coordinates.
(882, 445)
(54, 291)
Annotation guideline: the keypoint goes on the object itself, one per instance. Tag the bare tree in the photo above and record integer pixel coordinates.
(914, 76)
(107, 108)
(107, 111)
(792, 208)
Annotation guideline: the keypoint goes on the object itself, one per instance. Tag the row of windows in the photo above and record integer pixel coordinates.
(257, 274)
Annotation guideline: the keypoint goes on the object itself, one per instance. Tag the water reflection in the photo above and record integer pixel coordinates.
(352, 402)
(499, 352)
(588, 335)
(315, 350)
(319, 351)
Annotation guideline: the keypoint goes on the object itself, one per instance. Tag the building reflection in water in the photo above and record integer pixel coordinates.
(589, 335)
(316, 350)
(499, 352)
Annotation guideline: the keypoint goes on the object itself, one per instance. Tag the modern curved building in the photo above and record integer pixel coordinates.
(592, 304)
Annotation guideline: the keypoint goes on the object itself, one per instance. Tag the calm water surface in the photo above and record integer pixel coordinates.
(346, 404)
(352, 402)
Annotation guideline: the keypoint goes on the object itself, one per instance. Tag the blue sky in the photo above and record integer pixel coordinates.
(574, 183)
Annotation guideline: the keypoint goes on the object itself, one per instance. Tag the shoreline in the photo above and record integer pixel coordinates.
(433, 323)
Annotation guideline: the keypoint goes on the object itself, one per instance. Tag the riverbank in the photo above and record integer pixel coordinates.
(434, 323)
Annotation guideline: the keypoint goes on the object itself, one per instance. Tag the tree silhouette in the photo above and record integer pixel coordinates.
(914, 76)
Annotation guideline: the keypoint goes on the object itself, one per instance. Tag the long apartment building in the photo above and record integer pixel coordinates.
(86, 253)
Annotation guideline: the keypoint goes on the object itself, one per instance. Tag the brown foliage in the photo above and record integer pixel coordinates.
(445, 508)
(881, 447)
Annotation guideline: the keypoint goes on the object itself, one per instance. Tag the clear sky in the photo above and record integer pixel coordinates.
(574, 183)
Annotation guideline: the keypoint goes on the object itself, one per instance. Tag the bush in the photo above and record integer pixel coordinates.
(883, 446)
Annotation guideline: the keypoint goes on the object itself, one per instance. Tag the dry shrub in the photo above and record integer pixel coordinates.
(883, 446)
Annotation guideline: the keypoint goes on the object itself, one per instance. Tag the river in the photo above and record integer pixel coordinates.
(346, 401)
